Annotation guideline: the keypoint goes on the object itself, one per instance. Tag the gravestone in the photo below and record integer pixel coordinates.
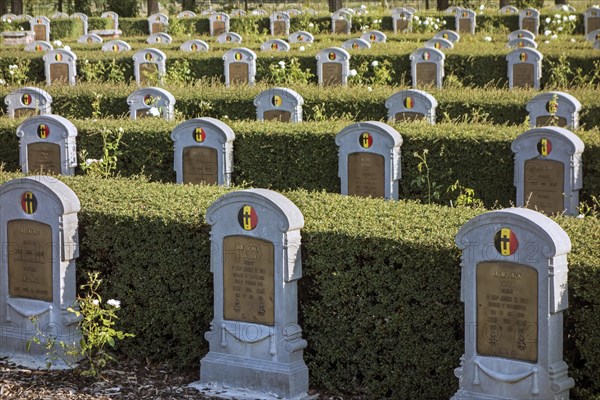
(529, 19)
(554, 108)
(203, 151)
(524, 68)
(23, 17)
(509, 10)
(238, 13)
(151, 102)
(159, 38)
(593, 36)
(333, 66)
(113, 19)
(59, 15)
(28, 102)
(369, 160)
(465, 20)
(439, 43)
(90, 38)
(84, 20)
(47, 145)
(548, 170)
(11, 38)
(402, 21)
(208, 12)
(452, 10)
(280, 23)
(194, 45)
(448, 35)
(229, 37)
(240, 66)
(341, 22)
(275, 45)
(116, 46)
(374, 36)
(40, 26)
(521, 33)
(39, 236)
(186, 14)
(411, 105)
(514, 286)
(591, 19)
(60, 66)
(39, 46)
(301, 37)
(356, 44)
(149, 65)
(260, 12)
(279, 104)
(520, 43)
(157, 23)
(427, 67)
(107, 34)
(255, 342)
(596, 45)
(8, 17)
(293, 12)
(219, 23)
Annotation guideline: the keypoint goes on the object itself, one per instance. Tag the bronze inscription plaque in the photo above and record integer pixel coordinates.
(544, 185)
(278, 28)
(341, 26)
(332, 73)
(593, 23)
(39, 32)
(523, 75)
(507, 311)
(426, 73)
(218, 28)
(26, 112)
(59, 72)
(148, 73)
(409, 116)
(142, 113)
(29, 260)
(158, 27)
(248, 280)
(464, 25)
(238, 73)
(366, 175)
(200, 165)
(529, 25)
(401, 25)
(277, 115)
(43, 157)
(548, 120)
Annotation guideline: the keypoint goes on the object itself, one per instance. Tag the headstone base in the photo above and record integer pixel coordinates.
(245, 375)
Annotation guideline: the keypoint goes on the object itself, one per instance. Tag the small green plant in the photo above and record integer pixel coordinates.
(105, 166)
(560, 72)
(382, 74)
(92, 71)
(465, 197)
(591, 209)
(179, 73)
(16, 74)
(423, 180)
(115, 72)
(56, 351)
(288, 73)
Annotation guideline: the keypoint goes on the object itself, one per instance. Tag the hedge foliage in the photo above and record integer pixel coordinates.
(379, 299)
(289, 156)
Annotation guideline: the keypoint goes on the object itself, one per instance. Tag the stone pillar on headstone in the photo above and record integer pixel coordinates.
(255, 342)
(514, 286)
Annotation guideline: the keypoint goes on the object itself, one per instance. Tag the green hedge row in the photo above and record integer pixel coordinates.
(290, 156)
(355, 102)
(379, 299)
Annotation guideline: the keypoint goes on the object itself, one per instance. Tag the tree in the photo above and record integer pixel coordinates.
(16, 7)
(443, 4)
(152, 6)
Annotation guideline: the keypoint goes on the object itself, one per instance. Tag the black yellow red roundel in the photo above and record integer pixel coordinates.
(247, 218)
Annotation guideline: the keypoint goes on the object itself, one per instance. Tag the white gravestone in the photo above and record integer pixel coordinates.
(341, 22)
(521, 42)
(529, 19)
(411, 105)
(28, 102)
(84, 20)
(439, 43)
(116, 46)
(374, 36)
(448, 35)
(509, 10)
(333, 66)
(194, 45)
(113, 18)
(279, 104)
(427, 67)
(275, 45)
(60, 66)
(301, 37)
(157, 23)
(159, 38)
(593, 36)
(402, 21)
(148, 65)
(521, 33)
(219, 23)
(465, 20)
(229, 37)
(40, 26)
(524, 68)
(240, 66)
(39, 46)
(151, 102)
(591, 19)
(280, 23)
(356, 44)
(186, 14)
(554, 108)
(89, 38)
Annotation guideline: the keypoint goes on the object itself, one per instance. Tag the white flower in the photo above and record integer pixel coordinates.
(352, 72)
(565, 18)
(375, 64)
(581, 216)
(482, 7)
(91, 161)
(363, 6)
(281, 63)
(9, 20)
(121, 130)
(573, 40)
(547, 32)
(426, 22)
(11, 72)
(86, 61)
(553, 37)
(487, 39)
(2, 82)
(95, 302)
(369, 89)
(114, 303)
(436, 26)
(57, 43)
(67, 48)
(13, 66)
(311, 25)
(572, 18)
(546, 41)
(548, 20)
(302, 48)
(22, 28)
(444, 22)
(416, 17)
(557, 16)
(153, 111)
(560, 29)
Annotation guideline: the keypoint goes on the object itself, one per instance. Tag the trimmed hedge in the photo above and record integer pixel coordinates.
(379, 299)
(290, 156)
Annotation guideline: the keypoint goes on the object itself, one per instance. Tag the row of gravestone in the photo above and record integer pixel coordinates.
(514, 301)
(285, 105)
(547, 174)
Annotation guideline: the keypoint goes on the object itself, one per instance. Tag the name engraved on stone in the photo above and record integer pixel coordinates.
(549, 120)
(523, 75)
(200, 165)
(43, 157)
(26, 112)
(279, 28)
(59, 72)
(544, 185)
(218, 27)
(401, 25)
(341, 26)
(158, 27)
(464, 25)
(39, 32)
(507, 311)
(332, 73)
(366, 175)
(409, 116)
(248, 280)
(593, 23)
(529, 24)
(238, 73)
(29, 260)
(277, 115)
(426, 73)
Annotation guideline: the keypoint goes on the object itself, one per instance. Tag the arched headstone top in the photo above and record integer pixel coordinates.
(393, 137)
(64, 197)
(355, 44)
(374, 36)
(39, 46)
(275, 45)
(89, 38)
(229, 37)
(448, 35)
(428, 100)
(562, 138)
(67, 127)
(159, 38)
(224, 131)
(439, 43)
(116, 46)
(427, 54)
(524, 55)
(186, 14)
(521, 43)
(149, 55)
(509, 10)
(156, 92)
(291, 95)
(301, 37)
(194, 45)
(339, 54)
(566, 100)
(59, 15)
(239, 54)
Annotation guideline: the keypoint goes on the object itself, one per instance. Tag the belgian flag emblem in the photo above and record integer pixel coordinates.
(523, 57)
(544, 147)
(228, 38)
(506, 242)
(26, 99)
(521, 45)
(38, 48)
(520, 36)
(238, 56)
(89, 40)
(194, 47)
(39, 20)
(58, 57)
(274, 46)
(372, 37)
(528, 13)
(331, 56)
(219, 17)
(445, 36)
(426, 56)
(409, 103)
(300, 38)
(28, 202)
(115, 47)
(148, 57)
(247, 218)
(365, 140)
(199, 134)
(157, 18)
(277, 101)
(437, 45)
(43, 131)
(464, 14)
(354, 45)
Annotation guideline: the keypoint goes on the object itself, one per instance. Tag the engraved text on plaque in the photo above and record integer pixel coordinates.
(366, 175)
(544, 185)
(426, 73)
(43, 157)
(200, 165)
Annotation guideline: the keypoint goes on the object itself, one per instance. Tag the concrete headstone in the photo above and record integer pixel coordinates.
(333, 66)
(159, 38)
(194, 45)
(240, 66)
(341, 22)
(356, 44)
(521, 33)
(411, 105)
(554, 108)
(301, 37)
(39, 46)
(524, 68)
(89, 38)
(448, 35)
(28, 102)
(229, 37)
(279, 104)
(280, 23)
(427, 67)
(149, 66)
(116, 46)
(40, 26)
(84, 20)
(402, 21)
(151, 102)
(591, 19)
(374, 36)
(157, 22)
(60, 66)
(275, 45)
(521, 42)
(219, 23)
(529, 19)
(439, 43)
(465, 20)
